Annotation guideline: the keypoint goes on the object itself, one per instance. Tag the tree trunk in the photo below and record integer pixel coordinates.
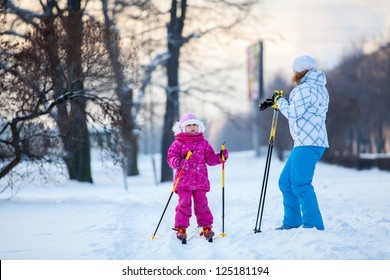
(171, 111)
(125, 95)
(78, 158)
(72, 124)
(130, 152)
(175, 42)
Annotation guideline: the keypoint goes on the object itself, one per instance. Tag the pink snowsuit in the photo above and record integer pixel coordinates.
(194, 182)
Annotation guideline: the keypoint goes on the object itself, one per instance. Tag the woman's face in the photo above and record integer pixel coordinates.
(192, 128)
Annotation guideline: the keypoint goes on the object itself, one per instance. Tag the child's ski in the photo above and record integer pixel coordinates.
(198, 234)
(185, 241)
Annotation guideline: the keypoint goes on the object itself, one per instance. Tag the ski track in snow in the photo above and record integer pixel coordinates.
(102, 221)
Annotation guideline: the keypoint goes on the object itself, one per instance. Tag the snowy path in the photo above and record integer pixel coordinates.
(76, 221)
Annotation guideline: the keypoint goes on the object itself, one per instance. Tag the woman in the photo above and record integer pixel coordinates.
(306, 113)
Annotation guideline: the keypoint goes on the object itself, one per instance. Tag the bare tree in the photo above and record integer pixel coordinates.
(66, 70)
(358, 121)
(176, 39)
(78, 157)
(45, 69)
(123, 91)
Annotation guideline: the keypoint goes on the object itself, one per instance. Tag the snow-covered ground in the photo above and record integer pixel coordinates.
(72, 221)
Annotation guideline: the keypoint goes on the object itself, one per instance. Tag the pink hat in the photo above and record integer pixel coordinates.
(187, 119)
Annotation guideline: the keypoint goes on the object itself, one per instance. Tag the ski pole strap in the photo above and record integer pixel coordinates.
(273, 126)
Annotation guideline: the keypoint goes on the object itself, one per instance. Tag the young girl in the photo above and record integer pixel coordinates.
(194, 182)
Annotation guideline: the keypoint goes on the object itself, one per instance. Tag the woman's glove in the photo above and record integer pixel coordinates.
(271, 102)
(266, 103)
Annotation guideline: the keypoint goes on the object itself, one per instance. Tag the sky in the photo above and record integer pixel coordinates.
(327, 30)
(103, 228)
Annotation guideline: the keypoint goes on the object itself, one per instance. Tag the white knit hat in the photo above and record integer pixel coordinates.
(186, 120)
(304, 62)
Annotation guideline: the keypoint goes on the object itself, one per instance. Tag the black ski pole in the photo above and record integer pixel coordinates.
(173, 190)
(266, 172)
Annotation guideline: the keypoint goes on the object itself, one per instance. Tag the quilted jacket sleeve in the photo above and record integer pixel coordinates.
(211, 157)
(174, 157)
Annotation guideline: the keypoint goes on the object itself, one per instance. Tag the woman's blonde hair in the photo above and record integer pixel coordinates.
(297, 77)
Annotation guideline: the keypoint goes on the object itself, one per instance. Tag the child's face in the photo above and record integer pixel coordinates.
(192, 128)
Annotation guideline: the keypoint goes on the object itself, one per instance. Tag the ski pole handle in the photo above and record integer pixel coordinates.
(223, 164)
(189, 154)
(223, 148)
(275, 97)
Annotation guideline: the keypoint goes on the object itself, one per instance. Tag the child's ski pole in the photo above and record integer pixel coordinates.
(223, 234)
(266, 171)
(173, 190)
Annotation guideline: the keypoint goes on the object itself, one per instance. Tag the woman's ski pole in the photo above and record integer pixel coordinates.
(223, 234)
(173, 190)
(266, 171)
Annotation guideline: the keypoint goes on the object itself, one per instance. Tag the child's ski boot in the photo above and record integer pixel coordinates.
(181, 234)
(208, 233)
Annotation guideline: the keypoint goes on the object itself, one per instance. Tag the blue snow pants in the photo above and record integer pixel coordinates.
(295, 182)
